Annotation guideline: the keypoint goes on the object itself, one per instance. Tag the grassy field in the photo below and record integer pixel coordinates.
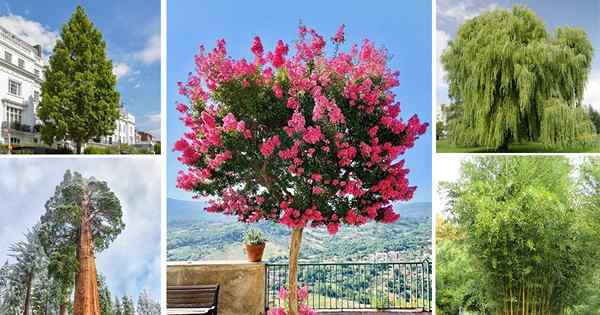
(442, 146)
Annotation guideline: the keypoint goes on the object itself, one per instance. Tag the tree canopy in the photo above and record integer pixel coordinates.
(517, 82)
(79, 98)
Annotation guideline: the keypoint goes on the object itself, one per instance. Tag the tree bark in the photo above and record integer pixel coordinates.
(27, 303)
(293, 271)
(63, 308)
(87, 299)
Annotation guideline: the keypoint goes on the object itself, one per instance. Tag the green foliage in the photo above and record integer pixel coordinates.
(157, 148)
(127, 307)
(79, 98)
(506, 71)
(254, 236)
(531, 233)
(440, 130)
(595, 118)
(60, 224)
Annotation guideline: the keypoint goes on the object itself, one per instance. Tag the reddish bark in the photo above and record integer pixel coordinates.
(87, 299)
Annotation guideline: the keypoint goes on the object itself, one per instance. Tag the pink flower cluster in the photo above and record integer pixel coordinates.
(317, 128)
(303, 308)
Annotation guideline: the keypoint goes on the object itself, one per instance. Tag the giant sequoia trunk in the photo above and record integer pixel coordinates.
(293, 271)
(27, 304)
(87, 299)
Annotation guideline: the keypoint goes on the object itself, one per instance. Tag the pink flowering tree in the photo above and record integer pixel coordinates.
(302, 139)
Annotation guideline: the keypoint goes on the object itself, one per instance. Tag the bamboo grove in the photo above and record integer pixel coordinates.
(515, 82)
(521, 236)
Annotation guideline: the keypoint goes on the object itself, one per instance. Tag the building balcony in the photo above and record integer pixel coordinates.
(15, 126)
(334, 288)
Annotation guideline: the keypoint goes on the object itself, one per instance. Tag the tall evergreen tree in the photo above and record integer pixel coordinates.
(20, 276)
(82, 218)
(147, 306)
(106, 307)
(127, 305)
(117, 307)
(517, 82)
(79, 97)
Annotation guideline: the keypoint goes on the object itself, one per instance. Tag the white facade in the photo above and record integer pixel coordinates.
(124, 130)
(21, 66)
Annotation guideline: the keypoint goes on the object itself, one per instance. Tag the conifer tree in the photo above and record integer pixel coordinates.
(127, 305)
(517, 82)
(147, 306)
(82, 218)
(79, 97)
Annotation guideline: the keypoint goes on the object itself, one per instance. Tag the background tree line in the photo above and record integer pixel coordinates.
(521, 235)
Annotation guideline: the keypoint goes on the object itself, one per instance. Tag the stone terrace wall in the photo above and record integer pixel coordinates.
(242, 284)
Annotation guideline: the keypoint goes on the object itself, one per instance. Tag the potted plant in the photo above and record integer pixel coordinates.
(255, 244)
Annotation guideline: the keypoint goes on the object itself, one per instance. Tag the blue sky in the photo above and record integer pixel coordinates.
(131, 30)
(403, 27)
(584, 14)
(132, 261)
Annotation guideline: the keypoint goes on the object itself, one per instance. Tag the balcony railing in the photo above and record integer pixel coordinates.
(17, 126)
(355, 286)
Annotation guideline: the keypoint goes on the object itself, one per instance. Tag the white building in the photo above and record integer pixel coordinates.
(21, 66)
(124, 130)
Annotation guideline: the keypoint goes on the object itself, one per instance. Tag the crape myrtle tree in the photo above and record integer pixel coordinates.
(517, 82)
(82, 218)
(530, 229)
(79, 98)
(304, 140)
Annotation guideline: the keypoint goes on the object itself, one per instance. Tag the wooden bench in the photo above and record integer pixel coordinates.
(193, 299)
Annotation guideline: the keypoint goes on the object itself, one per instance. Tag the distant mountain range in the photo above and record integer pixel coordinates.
(194, 234)
(183, 210)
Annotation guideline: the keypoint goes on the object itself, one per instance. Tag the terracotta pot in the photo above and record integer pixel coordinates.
(255, 252)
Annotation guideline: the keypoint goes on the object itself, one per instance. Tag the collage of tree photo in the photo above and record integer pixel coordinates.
(320, 157)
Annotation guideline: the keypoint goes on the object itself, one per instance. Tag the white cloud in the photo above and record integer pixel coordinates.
(121, 69)
(151, 52)
(32, 32)
(442, 39)
(591, 95)
(153, 118)
(460, 11)
(445, 168)
(131, 263)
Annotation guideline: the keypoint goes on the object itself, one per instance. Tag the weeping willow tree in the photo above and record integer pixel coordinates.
(516, 82)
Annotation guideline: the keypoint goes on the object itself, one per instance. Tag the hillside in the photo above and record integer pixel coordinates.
(194, 234)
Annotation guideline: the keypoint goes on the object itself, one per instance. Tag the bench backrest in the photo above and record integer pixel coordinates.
(193, 296)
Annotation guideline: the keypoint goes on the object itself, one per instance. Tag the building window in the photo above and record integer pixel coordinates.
(14, 140)
(37, 72)
(36, 96)
(8, 56)
(14, 87)
(21, 63)
(13, 115)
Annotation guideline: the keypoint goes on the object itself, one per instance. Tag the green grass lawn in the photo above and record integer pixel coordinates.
(442, 146)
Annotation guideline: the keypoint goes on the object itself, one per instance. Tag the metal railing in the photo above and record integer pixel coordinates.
(349, 286)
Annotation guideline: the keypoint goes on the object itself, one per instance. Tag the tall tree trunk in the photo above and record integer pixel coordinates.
(87, 299)
(27, 303)
(78, 147)
(504, 146)
(63, 307)
(293, 271)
